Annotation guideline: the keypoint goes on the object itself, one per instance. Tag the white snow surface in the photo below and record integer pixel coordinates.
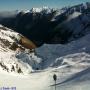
(74, 15)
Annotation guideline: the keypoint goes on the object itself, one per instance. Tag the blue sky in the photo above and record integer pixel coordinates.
(28, 4)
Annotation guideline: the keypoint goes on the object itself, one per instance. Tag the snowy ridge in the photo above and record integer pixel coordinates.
(74, 15)
(9, 63)
(78, 60)
(6, 33)
(13, 60)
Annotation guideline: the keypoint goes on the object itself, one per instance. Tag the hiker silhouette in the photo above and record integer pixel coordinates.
(55, 77)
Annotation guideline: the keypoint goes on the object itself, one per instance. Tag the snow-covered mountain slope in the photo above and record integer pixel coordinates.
(51, 52)
(72, 75)
(14, 57)
(38, 10)
(70, 62)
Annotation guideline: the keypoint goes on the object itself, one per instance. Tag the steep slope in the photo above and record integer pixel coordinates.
(51, 52)
(14, 57)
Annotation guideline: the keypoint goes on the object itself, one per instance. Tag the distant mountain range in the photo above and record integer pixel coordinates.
(50, 26)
